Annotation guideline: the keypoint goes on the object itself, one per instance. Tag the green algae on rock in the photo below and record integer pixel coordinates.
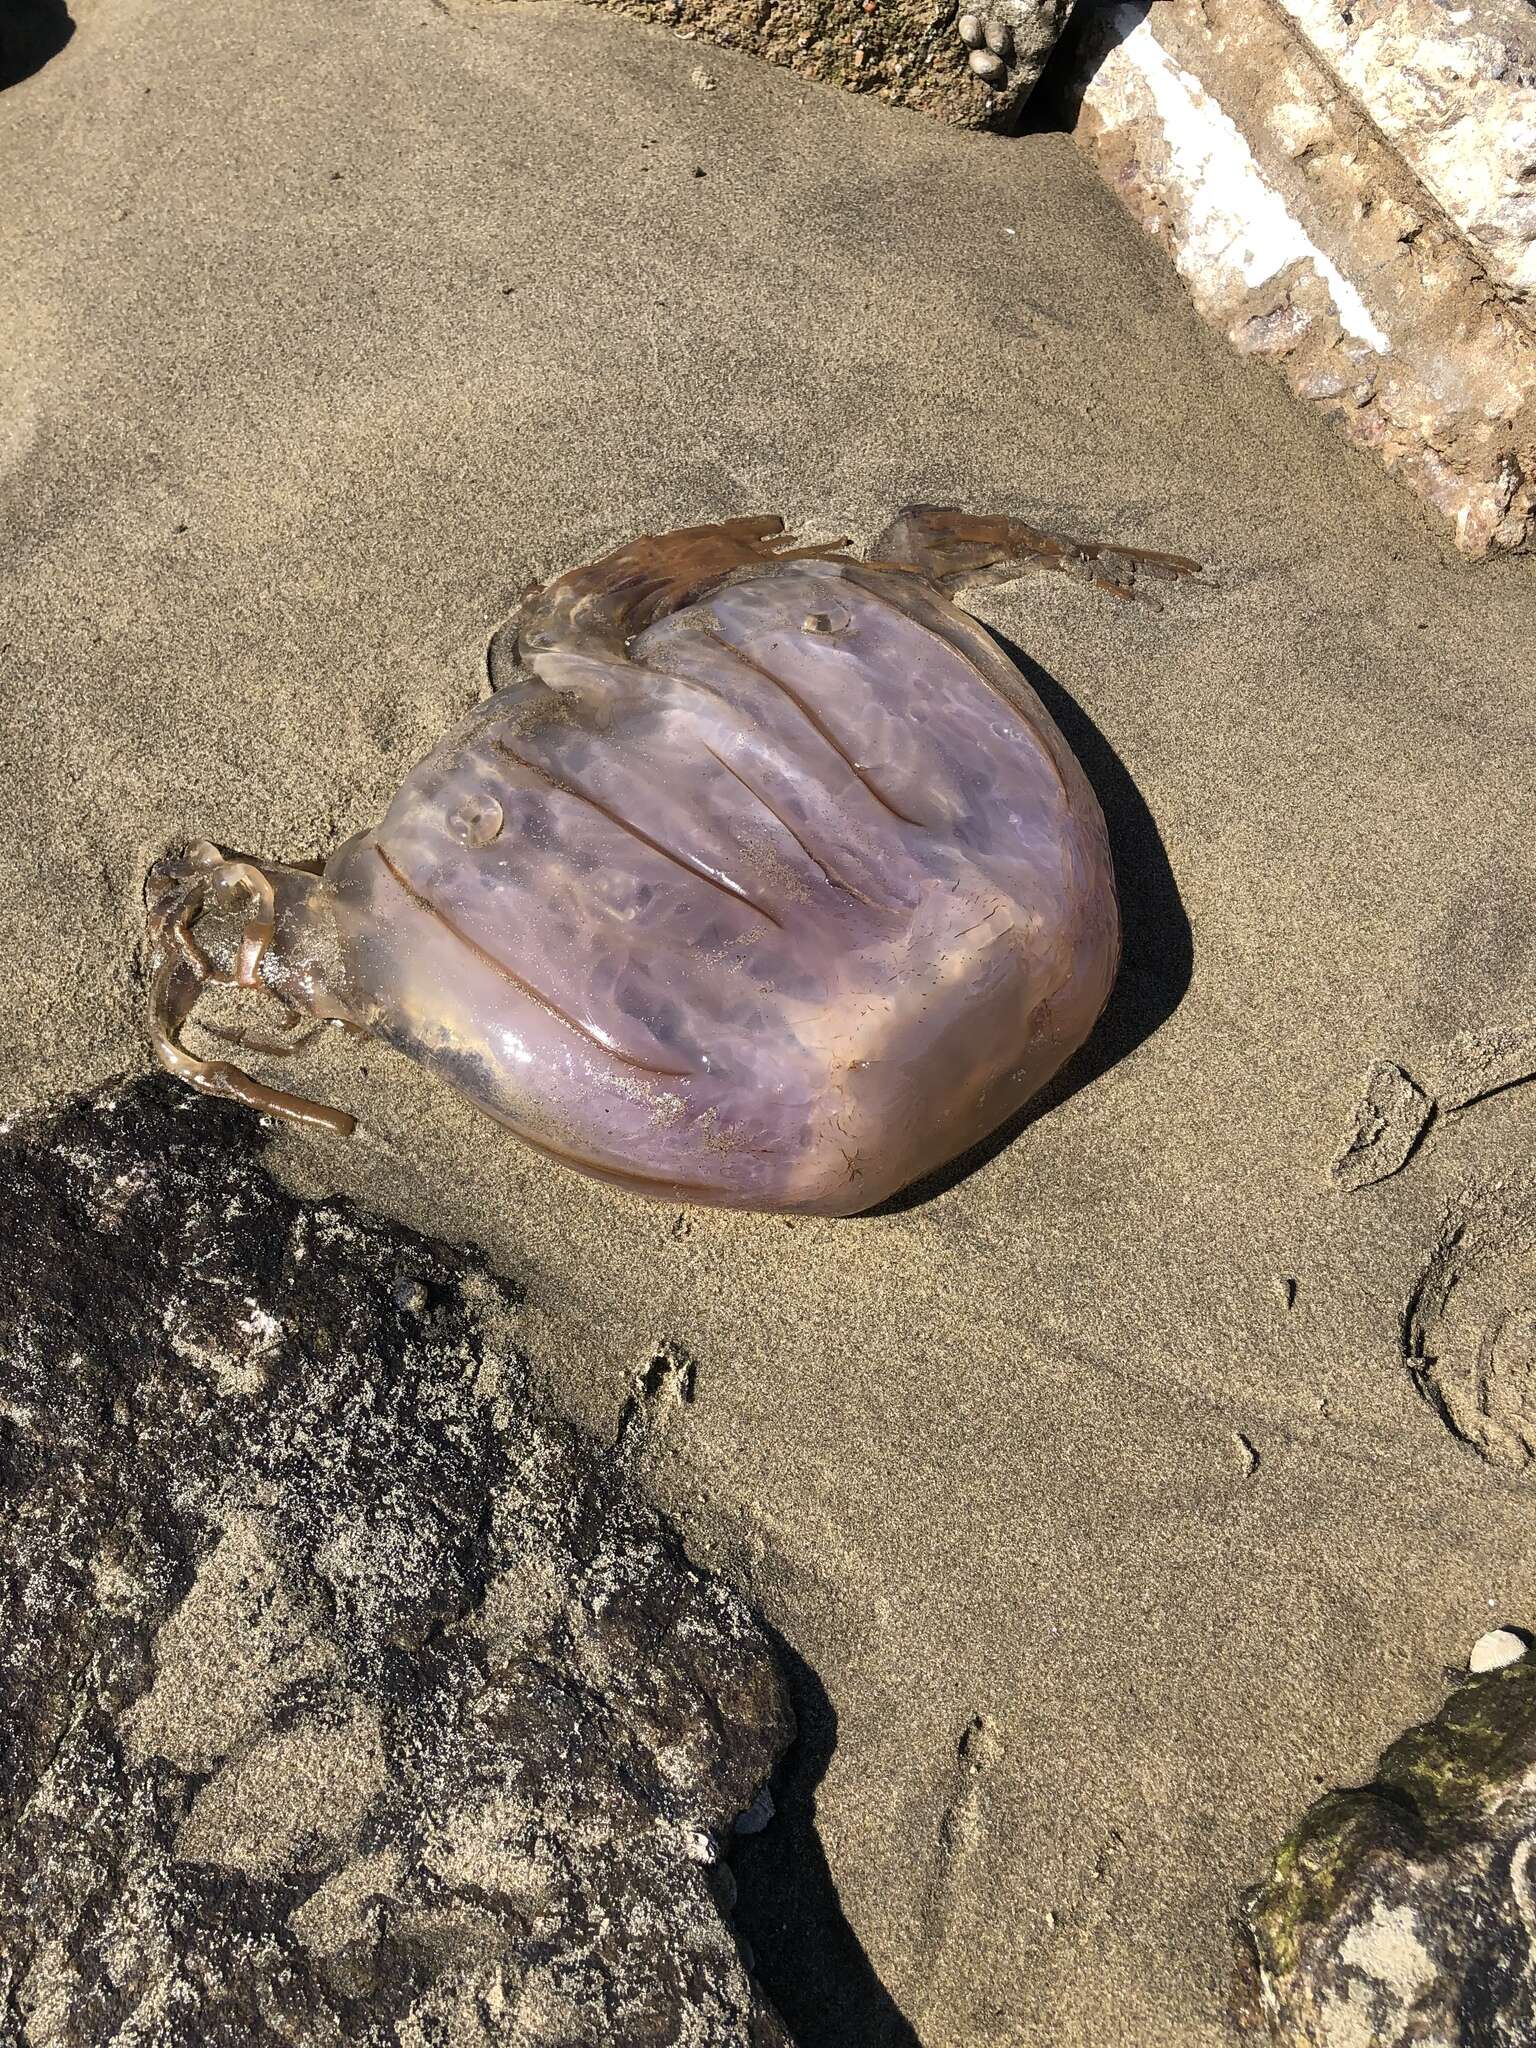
(1401, 1911)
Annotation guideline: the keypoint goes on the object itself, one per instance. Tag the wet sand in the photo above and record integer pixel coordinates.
(1089, 1494)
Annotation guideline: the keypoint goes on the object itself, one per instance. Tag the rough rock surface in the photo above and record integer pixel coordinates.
(344, 1698)
(1404, 1912)
(907, 52)
(1307, 239)
(1453, 88)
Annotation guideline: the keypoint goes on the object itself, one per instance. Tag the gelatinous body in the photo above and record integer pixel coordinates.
(763, 881)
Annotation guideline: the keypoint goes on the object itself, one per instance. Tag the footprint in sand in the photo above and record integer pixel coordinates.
(1469, 1333)
(1395, 1111)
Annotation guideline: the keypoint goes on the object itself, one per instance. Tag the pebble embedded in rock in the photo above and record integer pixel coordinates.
(989, 69)
(1500, 1646)
(756, 1817)
(972, 34)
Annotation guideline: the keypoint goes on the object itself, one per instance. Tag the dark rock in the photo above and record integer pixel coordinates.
(345, 1698)
(1405, 1912)
(907, 52)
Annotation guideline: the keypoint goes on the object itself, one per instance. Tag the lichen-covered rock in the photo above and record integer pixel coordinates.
(344, 1698)
(1305, 238)
(1405, 1912)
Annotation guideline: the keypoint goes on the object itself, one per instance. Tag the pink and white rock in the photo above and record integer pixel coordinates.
(1453, 89)
(1307, 238)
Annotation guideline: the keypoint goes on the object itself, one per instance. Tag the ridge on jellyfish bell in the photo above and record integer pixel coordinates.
(763, 877)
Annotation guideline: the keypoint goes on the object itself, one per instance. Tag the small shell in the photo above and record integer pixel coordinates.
(1499, 1647)
(991, 70)
(999, 38)
(972, 34)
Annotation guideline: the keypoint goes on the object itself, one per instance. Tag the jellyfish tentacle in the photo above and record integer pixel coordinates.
(262, 1042)
(595, 611)
(950, 548)
(180, 969)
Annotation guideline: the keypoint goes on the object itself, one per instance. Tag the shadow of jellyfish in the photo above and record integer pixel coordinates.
(31, 33)
(807, 1958)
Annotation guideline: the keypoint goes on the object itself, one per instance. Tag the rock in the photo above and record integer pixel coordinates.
(1454, 90)
(346, 1697)
(909, 53)
(757, 1815)
(1400, 1913)
(1492, 1651)
(1305, 237)
(1386, 1124)
(1026, 32)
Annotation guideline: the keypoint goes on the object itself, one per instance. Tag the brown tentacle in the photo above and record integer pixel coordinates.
(179, 970)
(951, 547)
(601, 606)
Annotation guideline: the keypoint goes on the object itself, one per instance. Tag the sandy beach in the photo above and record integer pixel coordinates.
(1087, 1490)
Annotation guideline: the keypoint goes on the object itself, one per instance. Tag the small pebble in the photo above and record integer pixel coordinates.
(989, 69)
(1500, 1646)
(701, 79)
(972, 34)
(1000, 39)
